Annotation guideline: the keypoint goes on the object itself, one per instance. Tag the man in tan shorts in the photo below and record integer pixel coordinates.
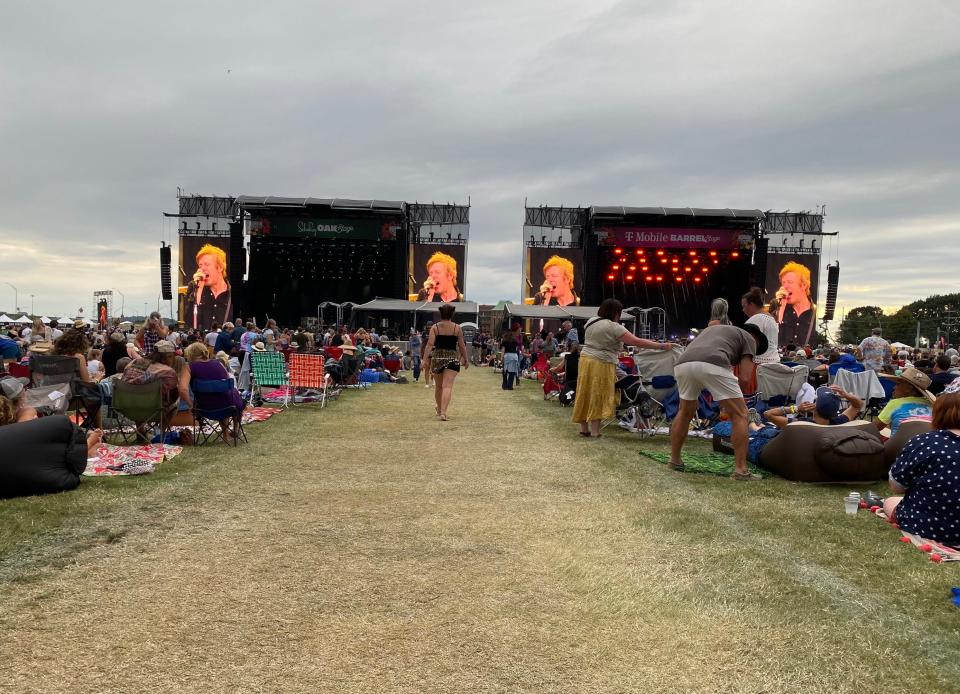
(707, 364)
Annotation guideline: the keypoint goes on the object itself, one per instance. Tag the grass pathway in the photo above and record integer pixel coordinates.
(371, 548)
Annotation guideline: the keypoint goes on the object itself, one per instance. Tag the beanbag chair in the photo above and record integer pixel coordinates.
(42, 456)
(806, 452)
(905, 432)
(369, 376)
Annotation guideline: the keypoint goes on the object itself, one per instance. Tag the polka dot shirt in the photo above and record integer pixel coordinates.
(929, 468)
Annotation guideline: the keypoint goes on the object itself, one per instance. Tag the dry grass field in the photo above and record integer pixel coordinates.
(369, 547)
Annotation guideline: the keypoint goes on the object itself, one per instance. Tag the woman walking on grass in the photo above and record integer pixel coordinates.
(443, 357)
(596, 398)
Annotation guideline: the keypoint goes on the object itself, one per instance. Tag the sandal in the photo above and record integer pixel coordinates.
(585, 434)
(443, 418)
(746, 477)
(677, 467)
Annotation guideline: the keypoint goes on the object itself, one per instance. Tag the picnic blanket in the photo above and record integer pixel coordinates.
(704, 463)
(111, 461)
(258, 414)
(938, 551)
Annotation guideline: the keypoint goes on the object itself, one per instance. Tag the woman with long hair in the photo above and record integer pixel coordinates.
(719, 312)
(445, 355)
(596, 396)
(74, 343)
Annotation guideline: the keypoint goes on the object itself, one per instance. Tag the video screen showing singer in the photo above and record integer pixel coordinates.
(793, 308)
(208, 294)
(441, 282)
(557, 287)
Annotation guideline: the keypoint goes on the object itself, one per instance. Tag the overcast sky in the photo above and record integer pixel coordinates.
(105, 108)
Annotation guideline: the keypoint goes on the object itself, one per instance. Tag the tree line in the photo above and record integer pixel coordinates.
(936, 315)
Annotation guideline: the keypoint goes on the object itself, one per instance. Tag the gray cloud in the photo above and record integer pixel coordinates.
(724, 104)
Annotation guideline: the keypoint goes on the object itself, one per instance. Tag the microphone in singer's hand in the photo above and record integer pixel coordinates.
(546, 288)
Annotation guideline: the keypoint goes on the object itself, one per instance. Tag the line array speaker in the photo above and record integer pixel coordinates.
(833, 283)
(165, 287)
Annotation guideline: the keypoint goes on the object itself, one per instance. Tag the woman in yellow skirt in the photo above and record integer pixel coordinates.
(596, 398)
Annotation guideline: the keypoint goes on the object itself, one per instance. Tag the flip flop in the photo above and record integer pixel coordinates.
(585, 434)
(676, 468)
(745, 477)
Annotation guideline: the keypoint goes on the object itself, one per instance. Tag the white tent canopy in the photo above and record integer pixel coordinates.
(44, 320)
(5, 318)
(23, 319)
(900, 345)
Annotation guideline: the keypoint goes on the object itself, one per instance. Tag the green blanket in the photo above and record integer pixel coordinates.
(704, 463)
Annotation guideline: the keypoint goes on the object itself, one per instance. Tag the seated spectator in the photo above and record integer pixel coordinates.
(927, 475)
(846, 361)
(12, 390)
(941, 375)
(9, 350)
(115, 350)
(95, 365)
(202, 368)
(911, 399)
(74, 343)
(826, 410)
(165, 366)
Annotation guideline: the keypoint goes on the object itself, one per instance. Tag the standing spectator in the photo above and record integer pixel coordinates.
(570, 338)
(152, 331)
(719, 313)
(752, 304)
(55, 331)
(707, 365)
(224, 342)
(876, 351)
(416, 345)
(211, 337)
(596, 395)
(115, 350)
(238, 330)
(511, 359)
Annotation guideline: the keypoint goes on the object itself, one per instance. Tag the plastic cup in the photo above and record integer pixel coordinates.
(851, 504)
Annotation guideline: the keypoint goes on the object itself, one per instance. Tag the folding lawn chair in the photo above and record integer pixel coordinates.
(308, 371)
(866, 386)
(778, 384)
(140, 404)
(207, 418)
(269, 369)
(60, 370)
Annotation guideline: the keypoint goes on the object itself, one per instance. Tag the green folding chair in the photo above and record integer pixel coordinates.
(269, 369)
(141, 404)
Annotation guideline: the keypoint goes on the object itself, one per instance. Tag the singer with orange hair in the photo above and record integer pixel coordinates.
(557, 287)
(441, 282)
(208, 294)
(793, 306)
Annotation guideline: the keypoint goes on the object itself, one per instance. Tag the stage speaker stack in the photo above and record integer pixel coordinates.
(237, 265)
(833, 283)
(758, 277)
(165, 287)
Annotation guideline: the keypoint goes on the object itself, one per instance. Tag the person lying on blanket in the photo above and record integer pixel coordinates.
(926, 476)
(826, 410)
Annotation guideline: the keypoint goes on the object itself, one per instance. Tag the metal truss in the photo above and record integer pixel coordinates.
(792, 223)
(566, 217)
(430, 214)
(204, 206)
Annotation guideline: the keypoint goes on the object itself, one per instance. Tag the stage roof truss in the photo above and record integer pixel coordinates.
(793, 223)
(554, 217)
(433, 214)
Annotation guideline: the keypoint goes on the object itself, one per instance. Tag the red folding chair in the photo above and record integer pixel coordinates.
(307, 371)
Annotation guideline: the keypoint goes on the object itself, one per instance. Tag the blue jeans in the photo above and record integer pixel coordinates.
(416, 367)
(758, 440)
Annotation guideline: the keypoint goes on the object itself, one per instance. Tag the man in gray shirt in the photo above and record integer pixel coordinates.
(707, 364)
(570, 339)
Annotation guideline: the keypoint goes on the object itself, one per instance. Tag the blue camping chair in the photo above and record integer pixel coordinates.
(204, 414)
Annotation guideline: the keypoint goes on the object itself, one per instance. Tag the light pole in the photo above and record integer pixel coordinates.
(31, 306)
(16, 295)
(123, 300)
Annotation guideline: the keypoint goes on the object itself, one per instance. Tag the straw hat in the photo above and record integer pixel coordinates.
(918, 380)
(258, 346)
(40, 348)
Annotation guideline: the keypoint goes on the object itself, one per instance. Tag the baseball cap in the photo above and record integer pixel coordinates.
(12, 387)
(756, 332)
(827, 404)
(164, 346)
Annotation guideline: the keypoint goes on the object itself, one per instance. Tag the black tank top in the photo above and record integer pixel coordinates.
(445, 342)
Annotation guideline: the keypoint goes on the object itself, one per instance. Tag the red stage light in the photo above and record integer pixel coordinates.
(695, 261)
(735, 254)
(693, 252)
(696, 279)
(716, 262)
(713, 253)
(678, 278)
(611, 277)
(615, 267)
(659, 278)
(660, 252)
(687, 269)
(674, 260)
(649, 278)
(632, 268)
(629, 278)
(617, 251)
(663, 260)
(705, 268)
(645, 268)
(639, 251)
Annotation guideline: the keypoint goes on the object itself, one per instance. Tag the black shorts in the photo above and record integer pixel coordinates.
(449, 366)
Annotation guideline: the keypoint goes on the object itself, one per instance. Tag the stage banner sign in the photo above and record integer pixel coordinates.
(204, 296)
(666, 237)
(314, 228)
(792, 282)
(553, 276)
(437, 272)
